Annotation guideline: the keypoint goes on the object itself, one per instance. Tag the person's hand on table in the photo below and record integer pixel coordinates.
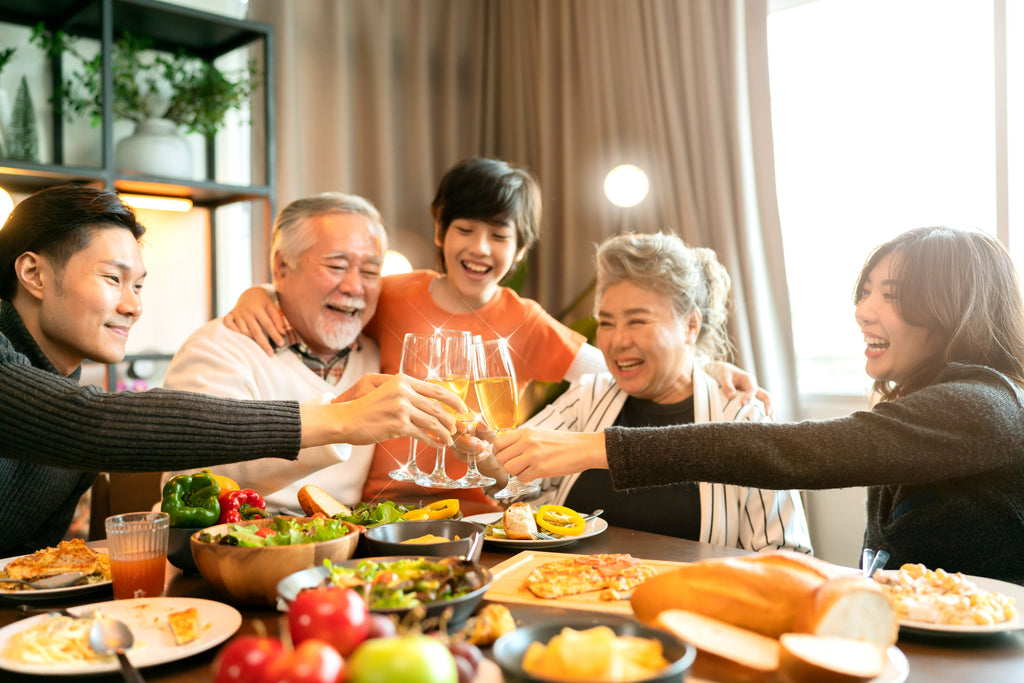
(257, 316)
(531, 453)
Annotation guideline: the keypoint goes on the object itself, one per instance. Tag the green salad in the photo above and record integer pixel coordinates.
(281, 531)
(373, 514)
(407, 583)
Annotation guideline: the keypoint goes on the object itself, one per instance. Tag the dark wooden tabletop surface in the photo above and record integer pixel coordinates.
(932, 660)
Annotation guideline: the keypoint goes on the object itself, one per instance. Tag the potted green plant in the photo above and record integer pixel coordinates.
(162, 93)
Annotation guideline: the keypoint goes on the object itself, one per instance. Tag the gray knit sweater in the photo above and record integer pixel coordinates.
(944, 466)
(56, 435)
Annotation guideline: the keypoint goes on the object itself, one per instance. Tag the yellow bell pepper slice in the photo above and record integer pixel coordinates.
(558, 519)
(225, 483)
(439, 509)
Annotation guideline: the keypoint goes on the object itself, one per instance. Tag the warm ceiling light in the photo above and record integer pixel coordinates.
(395, 262)
(626, 185)
(6, 205)
(145, 201)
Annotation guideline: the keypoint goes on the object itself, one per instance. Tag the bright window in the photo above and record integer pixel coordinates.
(884, 118)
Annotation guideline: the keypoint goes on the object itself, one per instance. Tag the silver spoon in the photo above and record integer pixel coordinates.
(55, 581)
(110, 636)
(596, 513)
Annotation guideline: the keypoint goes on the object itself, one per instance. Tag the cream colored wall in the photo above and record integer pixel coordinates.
(836, 516)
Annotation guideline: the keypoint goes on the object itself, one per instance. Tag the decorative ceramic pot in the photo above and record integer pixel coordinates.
(156, 148)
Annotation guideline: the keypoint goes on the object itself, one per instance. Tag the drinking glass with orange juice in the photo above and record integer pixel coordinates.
(137, 543)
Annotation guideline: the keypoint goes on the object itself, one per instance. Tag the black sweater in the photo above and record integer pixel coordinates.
(56, 435)
(944, 466)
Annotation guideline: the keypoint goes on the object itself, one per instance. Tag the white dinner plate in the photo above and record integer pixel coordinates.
(147, 619)
(948, 630)
(40, 594)
(593, 528)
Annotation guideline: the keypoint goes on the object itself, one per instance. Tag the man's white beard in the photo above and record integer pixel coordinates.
(339, 335)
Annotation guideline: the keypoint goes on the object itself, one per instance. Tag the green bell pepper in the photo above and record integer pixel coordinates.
(191, 500)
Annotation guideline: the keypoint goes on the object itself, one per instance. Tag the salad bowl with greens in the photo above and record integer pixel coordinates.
(245, 561)
(398, 584)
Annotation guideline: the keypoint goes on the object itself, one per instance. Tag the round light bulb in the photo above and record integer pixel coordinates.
(395, 262)
(6, 205)
(626, 185)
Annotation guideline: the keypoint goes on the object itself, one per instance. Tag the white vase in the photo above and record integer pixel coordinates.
(155, 148)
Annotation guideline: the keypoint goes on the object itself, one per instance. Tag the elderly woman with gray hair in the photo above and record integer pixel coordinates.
(662, 309)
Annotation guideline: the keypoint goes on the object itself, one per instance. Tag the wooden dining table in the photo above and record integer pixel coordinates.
(934, 659)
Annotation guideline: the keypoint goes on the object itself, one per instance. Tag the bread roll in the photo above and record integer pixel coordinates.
(725, 653)
(314, 499)
(759, 594)
(806, 658)
(850, 607)
(518, 521)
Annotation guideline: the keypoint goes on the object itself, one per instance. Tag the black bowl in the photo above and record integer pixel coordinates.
(510, 648)
(462, 607)
(179, 549)
(387, 539)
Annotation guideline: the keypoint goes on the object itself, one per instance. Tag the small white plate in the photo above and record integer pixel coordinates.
(147, 619)
(956, 631)
(593, 528)
(41, 594)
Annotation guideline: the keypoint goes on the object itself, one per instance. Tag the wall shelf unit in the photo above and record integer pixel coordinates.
(170, 28)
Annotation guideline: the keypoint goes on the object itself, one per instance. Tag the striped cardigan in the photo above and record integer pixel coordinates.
(735, 516)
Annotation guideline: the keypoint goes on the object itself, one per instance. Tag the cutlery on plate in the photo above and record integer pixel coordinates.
(871, 561)
(110, 636)
(55, 581)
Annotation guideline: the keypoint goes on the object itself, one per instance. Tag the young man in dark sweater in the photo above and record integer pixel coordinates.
(71, 276)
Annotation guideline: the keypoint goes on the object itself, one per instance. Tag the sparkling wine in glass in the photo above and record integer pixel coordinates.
(418, 353)
(495, 385)
(451, 370)
(473, 478)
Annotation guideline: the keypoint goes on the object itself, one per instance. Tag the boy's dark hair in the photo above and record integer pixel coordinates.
(489, 190)
(58, 222)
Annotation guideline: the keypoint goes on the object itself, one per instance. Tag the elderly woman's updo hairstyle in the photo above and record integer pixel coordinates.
(689, 278)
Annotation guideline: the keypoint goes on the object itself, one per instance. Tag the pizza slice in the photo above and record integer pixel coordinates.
(576, 575)
(68, 556)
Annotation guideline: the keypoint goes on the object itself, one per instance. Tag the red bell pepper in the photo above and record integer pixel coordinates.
(240, 506)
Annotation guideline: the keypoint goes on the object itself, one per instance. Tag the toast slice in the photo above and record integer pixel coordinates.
(184, 625)
(68, 556)
(724, 652)
(314, 499)
(807, 658)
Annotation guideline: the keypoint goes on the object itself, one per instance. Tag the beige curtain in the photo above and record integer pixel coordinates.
(379, 97)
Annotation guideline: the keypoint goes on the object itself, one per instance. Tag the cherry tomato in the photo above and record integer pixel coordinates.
(314, 661)
(245, 658)
(386, 577)
(265, 532)
(334, 614)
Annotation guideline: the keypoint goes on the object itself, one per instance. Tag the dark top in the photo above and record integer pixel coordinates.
(944, 466)
(675, 507)
(56, 435)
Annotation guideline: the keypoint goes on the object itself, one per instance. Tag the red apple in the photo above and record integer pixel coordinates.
(314, 661)
(245, 658)
(333, 614)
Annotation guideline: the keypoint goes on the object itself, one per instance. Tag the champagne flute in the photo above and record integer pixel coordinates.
(495, 384)
(417, 355)
(473, 478)
(451, 371)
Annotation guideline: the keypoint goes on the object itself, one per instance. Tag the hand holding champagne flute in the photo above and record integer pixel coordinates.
(495, 385)
(417, 355)
(450, 369)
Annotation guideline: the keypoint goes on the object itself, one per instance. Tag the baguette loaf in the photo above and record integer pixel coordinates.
(313, 499)
(725, 653)
(850, 607)
(761, 595)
